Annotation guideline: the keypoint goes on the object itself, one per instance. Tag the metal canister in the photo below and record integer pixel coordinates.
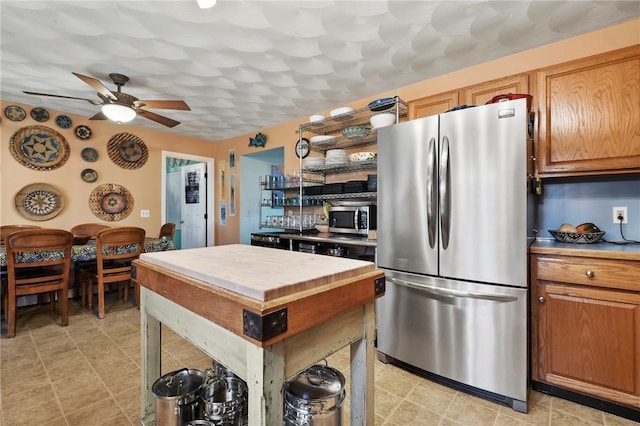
(177, 397)
(315, 397)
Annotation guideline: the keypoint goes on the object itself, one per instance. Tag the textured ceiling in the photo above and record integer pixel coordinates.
(246, 65)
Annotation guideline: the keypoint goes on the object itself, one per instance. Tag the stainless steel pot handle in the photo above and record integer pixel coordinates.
(452, 293)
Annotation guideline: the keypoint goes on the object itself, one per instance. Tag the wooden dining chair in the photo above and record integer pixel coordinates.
(82, 233)
(5, 230)
(116, 248)
(88, 229)
(38, 261)
(167, 230)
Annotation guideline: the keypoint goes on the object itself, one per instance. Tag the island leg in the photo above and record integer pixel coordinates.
(265, 380)
(362, 372)
(150, 341)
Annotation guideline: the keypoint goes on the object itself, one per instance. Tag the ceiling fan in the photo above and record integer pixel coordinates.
(120, 106)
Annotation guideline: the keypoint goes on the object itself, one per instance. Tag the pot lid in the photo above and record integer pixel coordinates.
(179, 383)
(316, 383)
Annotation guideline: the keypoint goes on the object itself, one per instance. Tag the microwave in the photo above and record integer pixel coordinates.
(352, 219)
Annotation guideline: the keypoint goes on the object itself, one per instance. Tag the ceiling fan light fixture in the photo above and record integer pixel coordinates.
(206, 4)
(118, 113)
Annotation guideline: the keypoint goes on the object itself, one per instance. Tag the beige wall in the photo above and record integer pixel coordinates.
(145, 183)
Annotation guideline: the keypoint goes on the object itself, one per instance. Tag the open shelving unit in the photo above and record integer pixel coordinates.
(310, 176)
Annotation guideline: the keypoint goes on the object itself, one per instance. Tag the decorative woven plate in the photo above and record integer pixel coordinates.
(40, 114)
(39, 201)
(15, 113)
(83, 132)
(90, 155)
(89, 175)
(63, 121)
(111, 202)
(127, 151)
(39, 148)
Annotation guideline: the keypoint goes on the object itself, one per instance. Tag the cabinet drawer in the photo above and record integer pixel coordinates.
(621, 274)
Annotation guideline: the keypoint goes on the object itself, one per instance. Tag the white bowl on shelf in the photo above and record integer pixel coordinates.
(316, 119)
(342, 113)
(382, 120)
(320, 138)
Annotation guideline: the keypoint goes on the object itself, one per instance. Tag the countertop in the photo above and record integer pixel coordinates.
(600, 249)
(353, 240)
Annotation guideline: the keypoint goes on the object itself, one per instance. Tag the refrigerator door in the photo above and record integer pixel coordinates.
(475, 334)
(483, 193)
(407, 196)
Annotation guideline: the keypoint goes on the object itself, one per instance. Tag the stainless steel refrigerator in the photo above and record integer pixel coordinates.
(452, 240)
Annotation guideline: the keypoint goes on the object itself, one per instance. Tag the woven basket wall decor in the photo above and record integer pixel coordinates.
(39, 148)
(111, 202)
(39, 201)
(127, 151)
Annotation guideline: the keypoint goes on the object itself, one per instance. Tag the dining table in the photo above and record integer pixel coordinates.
(88, 250)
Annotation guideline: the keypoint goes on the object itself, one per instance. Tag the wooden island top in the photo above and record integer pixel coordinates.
(259, 273)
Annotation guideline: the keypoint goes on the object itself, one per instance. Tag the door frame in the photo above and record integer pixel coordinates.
(210, 161)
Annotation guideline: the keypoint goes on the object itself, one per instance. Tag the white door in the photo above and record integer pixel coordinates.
(193, 224)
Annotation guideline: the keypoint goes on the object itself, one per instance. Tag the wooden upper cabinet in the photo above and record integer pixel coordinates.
(432, 105)
(589, 117)
(481, 93)
(478, 94)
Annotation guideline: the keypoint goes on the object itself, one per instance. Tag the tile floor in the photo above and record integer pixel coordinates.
(88, 374)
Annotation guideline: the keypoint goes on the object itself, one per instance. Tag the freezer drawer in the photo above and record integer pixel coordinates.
(475, 334)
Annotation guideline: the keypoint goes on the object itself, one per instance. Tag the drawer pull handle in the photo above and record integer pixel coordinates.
(590, 274)
(541, 299)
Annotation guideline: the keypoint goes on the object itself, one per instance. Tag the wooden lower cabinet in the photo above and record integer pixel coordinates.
(586, 338)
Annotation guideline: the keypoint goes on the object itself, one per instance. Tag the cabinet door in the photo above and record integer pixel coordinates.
(481, 93)
(586, 339)
(589, 116)
(432, 105)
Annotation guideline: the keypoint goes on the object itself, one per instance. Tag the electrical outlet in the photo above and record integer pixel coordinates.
(144, 213)
(620, 211)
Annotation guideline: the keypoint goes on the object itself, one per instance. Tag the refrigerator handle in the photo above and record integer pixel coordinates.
(450, 293)
(432, 177)
(444, 193)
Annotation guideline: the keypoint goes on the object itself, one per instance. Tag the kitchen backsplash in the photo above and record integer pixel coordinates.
(576, 201)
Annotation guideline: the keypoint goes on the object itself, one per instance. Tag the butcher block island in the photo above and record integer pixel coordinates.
(265, 314)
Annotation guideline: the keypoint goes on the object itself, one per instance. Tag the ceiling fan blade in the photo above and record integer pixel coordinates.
(91, 101)
(157, 118)
(96, 85)
(182, 105)
(99, 116)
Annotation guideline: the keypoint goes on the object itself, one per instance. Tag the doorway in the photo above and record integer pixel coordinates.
(253, 167)
(173, 198)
